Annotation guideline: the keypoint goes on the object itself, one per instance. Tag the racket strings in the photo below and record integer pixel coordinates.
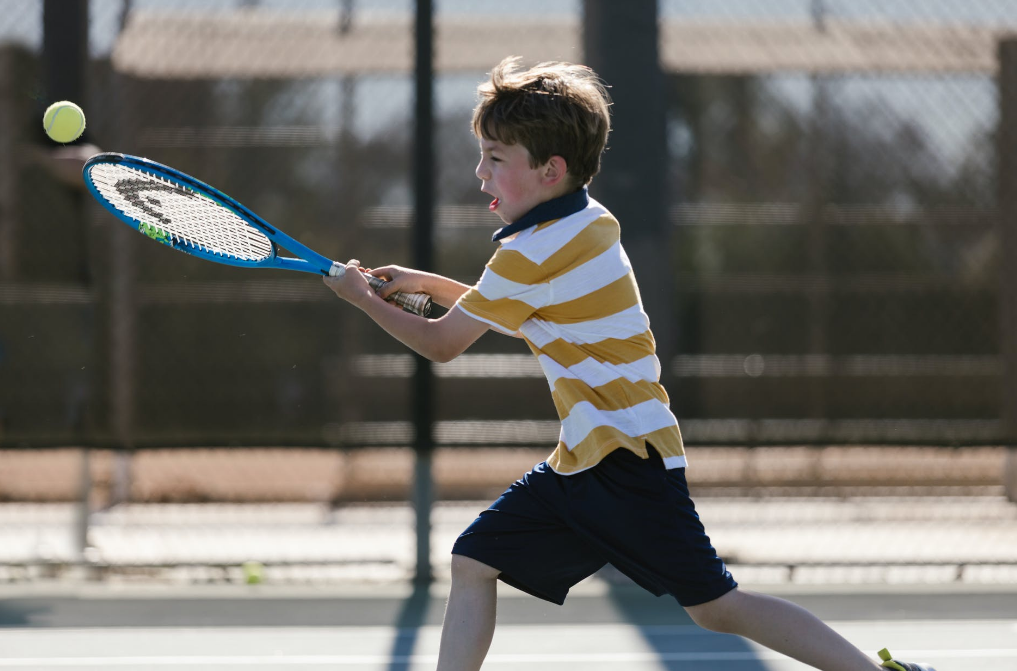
(166, 208)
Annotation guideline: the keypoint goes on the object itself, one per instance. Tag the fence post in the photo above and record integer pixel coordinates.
(814, 218)
(423, 225)
(119, 307)
(1010, 473)
(1006, 151)
(620, 42)
(10, 125)
(64, 67)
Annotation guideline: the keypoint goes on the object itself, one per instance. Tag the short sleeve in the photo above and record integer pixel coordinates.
(509, 291)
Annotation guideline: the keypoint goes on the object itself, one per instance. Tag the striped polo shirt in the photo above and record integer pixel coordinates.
(567, 287)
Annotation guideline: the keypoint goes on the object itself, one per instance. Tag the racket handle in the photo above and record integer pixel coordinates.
(418, 304)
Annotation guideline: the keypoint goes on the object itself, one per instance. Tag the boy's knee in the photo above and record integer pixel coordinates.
(465, 568)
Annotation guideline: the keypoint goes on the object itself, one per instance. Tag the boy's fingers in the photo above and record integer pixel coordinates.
(387, 289)
(393, 279)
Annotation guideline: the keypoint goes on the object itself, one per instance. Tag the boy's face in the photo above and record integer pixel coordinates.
(505, 173)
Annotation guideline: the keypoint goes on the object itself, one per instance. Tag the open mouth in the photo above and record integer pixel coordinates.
(494, 204)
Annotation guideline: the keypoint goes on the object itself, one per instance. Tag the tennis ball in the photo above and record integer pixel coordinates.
(254, 572)
(64, 121)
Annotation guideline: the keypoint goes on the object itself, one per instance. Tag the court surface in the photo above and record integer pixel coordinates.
(602, 626)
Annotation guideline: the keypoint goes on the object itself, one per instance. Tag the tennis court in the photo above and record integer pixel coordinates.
(600, 627)
(957, 610)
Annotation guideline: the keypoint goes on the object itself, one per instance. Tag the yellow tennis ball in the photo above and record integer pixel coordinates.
(254, 572)
(64, 121)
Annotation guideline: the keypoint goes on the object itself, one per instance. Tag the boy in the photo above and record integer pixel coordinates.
(614, 489)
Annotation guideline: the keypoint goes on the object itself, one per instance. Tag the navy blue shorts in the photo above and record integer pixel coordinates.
(548, 531)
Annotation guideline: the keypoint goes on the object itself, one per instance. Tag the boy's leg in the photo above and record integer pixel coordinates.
(781, 626)
(469, 617)
(522, 541)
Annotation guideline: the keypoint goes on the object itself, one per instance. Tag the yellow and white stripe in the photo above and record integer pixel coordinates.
(567, 287)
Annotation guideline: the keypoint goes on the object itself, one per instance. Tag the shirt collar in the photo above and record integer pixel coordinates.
(556, 208)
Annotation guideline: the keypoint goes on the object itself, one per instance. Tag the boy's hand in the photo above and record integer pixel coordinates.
(399, 279)
(351, 286)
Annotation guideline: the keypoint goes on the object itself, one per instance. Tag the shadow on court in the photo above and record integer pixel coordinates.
(414, 614)
(654, 619)
(24, 613)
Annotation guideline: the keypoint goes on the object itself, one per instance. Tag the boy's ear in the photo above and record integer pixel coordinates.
(555, 170)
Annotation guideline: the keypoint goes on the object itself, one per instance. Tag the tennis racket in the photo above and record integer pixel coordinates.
(193, 217)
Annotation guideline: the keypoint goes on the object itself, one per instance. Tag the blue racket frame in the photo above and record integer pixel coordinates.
(309, 261)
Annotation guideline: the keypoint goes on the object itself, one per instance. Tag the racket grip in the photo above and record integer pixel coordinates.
(415, 303)
(418, 304)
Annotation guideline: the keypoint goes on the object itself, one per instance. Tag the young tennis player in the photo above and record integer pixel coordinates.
(614, 489)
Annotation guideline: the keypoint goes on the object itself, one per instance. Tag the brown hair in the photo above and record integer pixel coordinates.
(552, 109)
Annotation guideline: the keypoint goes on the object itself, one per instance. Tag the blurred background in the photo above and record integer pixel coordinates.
(819, 198)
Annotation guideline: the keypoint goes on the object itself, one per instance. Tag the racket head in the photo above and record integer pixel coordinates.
(186, 214)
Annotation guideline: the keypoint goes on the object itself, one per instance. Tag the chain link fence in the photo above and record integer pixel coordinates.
(834, 251)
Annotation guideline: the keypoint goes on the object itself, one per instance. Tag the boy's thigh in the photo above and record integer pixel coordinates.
(524, 536)
(468, 569)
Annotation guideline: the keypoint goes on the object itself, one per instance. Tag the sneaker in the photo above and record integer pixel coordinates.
(894, 665)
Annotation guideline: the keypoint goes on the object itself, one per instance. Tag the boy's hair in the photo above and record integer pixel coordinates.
(552, 109)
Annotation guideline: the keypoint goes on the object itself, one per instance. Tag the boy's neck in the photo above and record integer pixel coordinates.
(563, 188)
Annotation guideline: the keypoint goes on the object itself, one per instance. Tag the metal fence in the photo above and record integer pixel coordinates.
(830, 266)
(817, 197)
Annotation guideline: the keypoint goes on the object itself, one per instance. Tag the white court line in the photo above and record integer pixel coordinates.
(346, 660)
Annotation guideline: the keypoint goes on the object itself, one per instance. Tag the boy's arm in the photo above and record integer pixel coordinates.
(439, 340)
(442, 290)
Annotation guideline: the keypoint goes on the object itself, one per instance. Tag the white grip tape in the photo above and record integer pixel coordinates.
(337, 269)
